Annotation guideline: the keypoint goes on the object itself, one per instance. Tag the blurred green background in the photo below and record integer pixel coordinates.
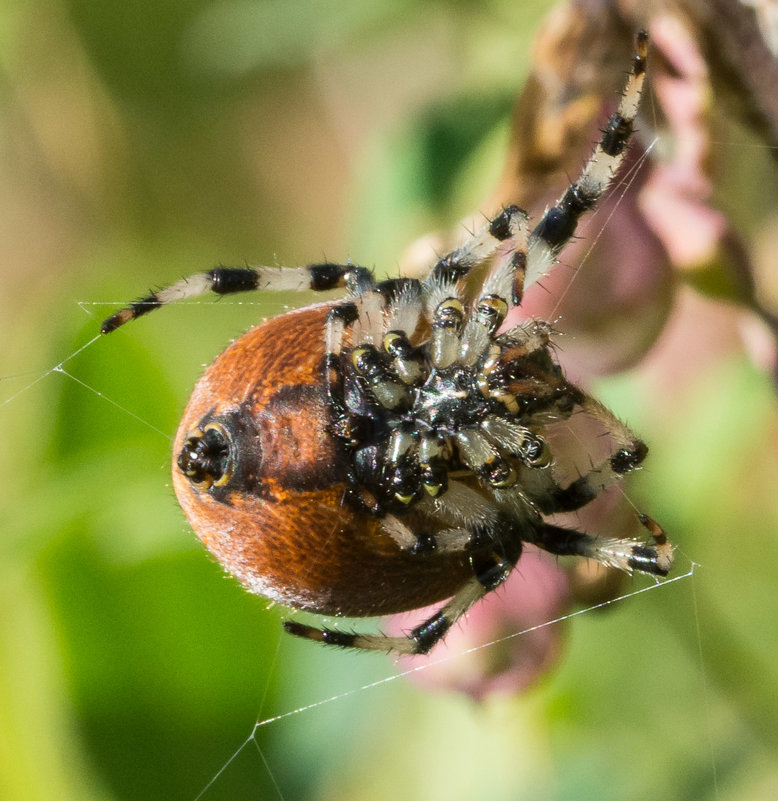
(143, 141)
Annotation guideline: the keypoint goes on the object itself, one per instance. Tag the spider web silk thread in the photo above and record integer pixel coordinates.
(305, 708)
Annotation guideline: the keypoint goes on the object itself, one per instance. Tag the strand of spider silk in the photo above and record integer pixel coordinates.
(387, 679)
(223, 769)
(41, 374)
(705, 693)
(250, 738)
(60, 369)
(264, 302)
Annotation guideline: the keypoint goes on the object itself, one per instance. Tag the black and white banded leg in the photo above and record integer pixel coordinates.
(472, 523)
(558, 224)
(490, 569)
(654, 558)
(479, 246)
(629, 455)
(455, 336)
(233, 280)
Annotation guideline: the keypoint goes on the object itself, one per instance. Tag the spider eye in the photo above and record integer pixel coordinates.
(206, 457)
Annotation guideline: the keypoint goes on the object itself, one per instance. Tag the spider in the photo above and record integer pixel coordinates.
(384, 452)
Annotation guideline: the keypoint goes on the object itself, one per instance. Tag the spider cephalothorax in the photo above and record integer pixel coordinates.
(387, 451)
(463, 399)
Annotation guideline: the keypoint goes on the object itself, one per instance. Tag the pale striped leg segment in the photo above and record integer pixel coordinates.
(233, 280)
(655, 557)
(558, 224)
(490, 569)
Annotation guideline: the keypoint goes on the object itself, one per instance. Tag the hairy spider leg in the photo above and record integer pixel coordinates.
(491, 567)
(232, 280)
(549, 498)
(471, 522)
(624, 554)
(558, 224)
(478, 247)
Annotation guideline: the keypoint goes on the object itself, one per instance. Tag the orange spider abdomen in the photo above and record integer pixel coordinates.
(280, 520)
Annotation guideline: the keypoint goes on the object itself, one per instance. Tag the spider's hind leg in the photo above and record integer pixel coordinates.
(489, 572)
(491, 567)
(654, 558)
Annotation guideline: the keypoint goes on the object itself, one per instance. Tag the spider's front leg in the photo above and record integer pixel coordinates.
(558, 224)
(655, 558)
(233, 280)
